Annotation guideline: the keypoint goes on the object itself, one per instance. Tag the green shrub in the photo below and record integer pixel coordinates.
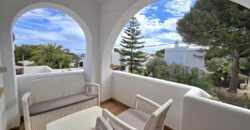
(246, 98)
(179, 73)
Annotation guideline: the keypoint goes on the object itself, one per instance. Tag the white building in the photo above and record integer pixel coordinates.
(190, 56)
(116, 56)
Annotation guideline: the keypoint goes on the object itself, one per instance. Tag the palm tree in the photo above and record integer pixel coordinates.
(52, 55)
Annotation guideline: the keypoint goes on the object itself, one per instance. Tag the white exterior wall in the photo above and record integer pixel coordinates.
(115, 14)
(9, 82)
(101, 20)
(191, 109)
(2, 103)
(193, 61)
(126, 86)
(36, 69)
(185, 56)
(116, 56)
(204, 114)
(85, 12)
(2, 113)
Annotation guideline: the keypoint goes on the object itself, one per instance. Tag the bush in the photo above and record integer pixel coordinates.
(214, 63)
(221, 75)
(179, 73)
(246, 98)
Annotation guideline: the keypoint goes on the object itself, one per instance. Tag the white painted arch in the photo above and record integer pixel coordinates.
(11, 89)
(130, 12)
(115, 28)
(100, 24)
(64, 9)
(59, 7)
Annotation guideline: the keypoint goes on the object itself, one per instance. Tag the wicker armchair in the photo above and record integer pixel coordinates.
(146, 114)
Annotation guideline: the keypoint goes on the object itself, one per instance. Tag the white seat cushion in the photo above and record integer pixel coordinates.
(50, 105)
(135, 118)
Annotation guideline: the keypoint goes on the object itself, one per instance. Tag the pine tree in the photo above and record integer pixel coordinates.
(222, 25)
(131, 56)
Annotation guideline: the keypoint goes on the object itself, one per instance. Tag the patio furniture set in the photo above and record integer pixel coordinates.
(68, 103)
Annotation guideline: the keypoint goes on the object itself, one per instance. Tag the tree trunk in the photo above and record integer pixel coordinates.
(131, 60)
(234, 80)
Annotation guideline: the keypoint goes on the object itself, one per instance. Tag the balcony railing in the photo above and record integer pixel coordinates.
(192, 109)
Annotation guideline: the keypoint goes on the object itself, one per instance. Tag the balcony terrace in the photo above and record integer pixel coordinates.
(102, 21)
(113, 106)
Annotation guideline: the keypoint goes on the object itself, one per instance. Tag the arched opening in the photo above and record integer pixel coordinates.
(184, 59)
(107, 49)
(48, 40)
(12, 95)
(157, 23)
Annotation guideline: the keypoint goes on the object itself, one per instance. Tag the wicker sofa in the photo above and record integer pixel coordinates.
(53, 98)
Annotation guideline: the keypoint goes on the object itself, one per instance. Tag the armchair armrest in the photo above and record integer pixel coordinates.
(113, 120)
(145, 104)
(26, 102)
(102, 124)
(89, 90)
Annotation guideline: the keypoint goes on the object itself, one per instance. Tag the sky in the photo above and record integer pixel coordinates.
(157, 23)
(42, 26)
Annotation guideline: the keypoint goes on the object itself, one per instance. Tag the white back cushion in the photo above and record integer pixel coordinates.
(73, 85)
(46, 89)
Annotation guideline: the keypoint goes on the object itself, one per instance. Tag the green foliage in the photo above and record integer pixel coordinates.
(116, 50)
(215, 98)
(52, 55)
(62, 60)
(131, 43)
(223, 70)
(246, 98)
(151, 65)
(222, 25)
(214, 63)
(178, 73)
(245, 65)
(221, 75)
(24, 52)
(160, 53)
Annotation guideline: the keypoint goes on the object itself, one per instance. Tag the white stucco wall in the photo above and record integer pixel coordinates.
(2, 103)
(116, 56)
(9, 82)
(185, 56)
(36, 69)
(101, 20)
(205, 114)
(191, 109)
(245, 3)
(126, 86)
(2, 113)
(113, 17)
(84, 12)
